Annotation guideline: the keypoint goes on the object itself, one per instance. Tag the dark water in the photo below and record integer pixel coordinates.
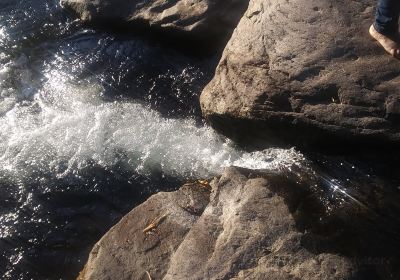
(93, 123)
(51, 217)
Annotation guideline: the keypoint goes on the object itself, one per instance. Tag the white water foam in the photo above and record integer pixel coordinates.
(68, 126)
(3, 33)
(15, 82)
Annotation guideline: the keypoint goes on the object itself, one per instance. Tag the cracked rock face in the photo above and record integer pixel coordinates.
(246, 228)
(200, 18)
(306, 72)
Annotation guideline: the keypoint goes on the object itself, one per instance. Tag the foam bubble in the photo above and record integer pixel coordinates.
(3, 33)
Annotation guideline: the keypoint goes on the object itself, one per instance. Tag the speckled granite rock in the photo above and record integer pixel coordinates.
(246, 228)
(306, 72)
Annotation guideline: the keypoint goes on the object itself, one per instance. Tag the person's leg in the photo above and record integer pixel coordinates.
(387, 17)
(385, 28)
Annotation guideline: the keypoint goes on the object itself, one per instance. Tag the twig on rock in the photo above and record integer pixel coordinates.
(204, 184)
(200, 183)
(155, 223)
(148, 275)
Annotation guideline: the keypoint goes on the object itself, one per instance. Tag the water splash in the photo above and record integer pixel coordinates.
(68, 126)
(55, 129)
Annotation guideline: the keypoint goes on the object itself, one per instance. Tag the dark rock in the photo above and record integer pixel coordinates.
(393, 109)
(306, 73)
(208, 20)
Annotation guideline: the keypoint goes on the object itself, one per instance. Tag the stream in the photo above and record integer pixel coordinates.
(93, 123)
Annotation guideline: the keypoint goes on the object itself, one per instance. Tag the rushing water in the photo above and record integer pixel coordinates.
(91, 124)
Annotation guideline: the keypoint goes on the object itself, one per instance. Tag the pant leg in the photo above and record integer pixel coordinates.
(387, 16)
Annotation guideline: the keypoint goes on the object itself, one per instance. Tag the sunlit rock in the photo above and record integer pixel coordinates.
(246, 226)
(308, 73)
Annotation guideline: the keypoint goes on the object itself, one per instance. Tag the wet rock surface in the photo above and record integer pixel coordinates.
(204, 19)
(307, 73)
(250, 226)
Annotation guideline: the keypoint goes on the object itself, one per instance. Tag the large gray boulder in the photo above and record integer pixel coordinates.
(306, 72)
(208, 19)
(246, 226)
